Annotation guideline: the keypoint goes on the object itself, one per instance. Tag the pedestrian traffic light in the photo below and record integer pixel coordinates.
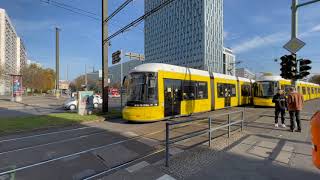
(304, 68)
(288, 66)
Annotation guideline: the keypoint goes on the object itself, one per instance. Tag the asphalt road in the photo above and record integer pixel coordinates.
(39, 105)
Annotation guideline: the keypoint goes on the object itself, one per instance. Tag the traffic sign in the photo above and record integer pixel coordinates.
(135, 56)
(116, 57)
(294, 45)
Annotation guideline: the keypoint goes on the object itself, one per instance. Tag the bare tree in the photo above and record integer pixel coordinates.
(315, 79)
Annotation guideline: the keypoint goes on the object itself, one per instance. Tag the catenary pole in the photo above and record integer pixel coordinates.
(57, 61)
(104, 24)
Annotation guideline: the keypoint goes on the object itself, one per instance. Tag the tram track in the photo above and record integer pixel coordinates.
(54, 142)
(77, 153)
(109, 145)
(43, 134)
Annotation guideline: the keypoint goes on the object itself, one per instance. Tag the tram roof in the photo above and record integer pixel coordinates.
(155, 67)
(278, 78)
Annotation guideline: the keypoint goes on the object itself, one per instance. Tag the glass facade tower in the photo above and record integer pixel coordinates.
(186, 33)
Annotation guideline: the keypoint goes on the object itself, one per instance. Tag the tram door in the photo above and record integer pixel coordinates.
(227, 98)
(172, 97)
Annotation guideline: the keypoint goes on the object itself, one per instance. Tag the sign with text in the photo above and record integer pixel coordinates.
(116, 57)
(17, 89)
(135, 56)
(85, 102)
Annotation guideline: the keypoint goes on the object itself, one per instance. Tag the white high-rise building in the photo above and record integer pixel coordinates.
(246, 73)
(229, 62)
(186, 33)
(12, 53)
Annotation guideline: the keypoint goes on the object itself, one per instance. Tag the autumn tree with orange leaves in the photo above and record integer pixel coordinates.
(37, 78)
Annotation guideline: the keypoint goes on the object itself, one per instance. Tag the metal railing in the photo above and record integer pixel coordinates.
(208, 131)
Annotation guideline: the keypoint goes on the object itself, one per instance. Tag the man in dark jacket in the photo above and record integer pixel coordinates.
(280, 101)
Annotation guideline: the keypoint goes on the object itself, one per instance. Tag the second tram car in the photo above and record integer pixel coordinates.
(267, 86)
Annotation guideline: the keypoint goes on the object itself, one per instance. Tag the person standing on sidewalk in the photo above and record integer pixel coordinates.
(295, 105)
(280, 101)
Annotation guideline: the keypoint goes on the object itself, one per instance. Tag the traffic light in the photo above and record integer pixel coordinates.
(304, 68)
(288, 66)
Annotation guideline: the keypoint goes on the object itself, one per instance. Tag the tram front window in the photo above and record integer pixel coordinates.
(264, 89)
(142, 89)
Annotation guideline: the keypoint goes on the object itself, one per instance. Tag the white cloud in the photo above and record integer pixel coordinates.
(259, 41)
(311, 32)
(316, 28)
(225, 34)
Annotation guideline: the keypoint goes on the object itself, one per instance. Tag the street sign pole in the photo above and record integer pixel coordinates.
(294, 29)
(121, 77)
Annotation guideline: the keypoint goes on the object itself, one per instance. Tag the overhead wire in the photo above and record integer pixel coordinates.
(82, 12)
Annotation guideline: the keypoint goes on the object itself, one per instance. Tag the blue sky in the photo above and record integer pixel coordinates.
(255, 30)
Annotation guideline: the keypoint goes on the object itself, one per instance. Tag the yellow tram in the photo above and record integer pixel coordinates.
(265, 88)
(157, 91)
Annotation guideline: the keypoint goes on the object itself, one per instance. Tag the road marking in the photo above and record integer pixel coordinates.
(129, 134)
(166, 177)
(175, 150)
(137, 167)
(44, 134)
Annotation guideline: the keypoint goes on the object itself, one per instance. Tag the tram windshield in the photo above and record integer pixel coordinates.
(142, 89)
(264, 89)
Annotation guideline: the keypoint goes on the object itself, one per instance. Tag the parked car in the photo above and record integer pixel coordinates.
(72, 103)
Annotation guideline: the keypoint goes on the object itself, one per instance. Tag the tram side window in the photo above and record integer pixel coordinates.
(226, 89)
(312, 90)
(202, 90)
(303, 90)
(308, 90)
(189, 90)
(220, 90)
(245, 90)
(152, 88)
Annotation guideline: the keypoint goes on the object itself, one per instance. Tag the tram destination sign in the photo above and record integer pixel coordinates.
(294, 45)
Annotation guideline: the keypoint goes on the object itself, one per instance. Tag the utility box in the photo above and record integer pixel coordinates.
(315, 137)
(85, 102)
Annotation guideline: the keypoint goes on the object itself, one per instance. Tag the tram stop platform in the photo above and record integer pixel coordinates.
(261, 152)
